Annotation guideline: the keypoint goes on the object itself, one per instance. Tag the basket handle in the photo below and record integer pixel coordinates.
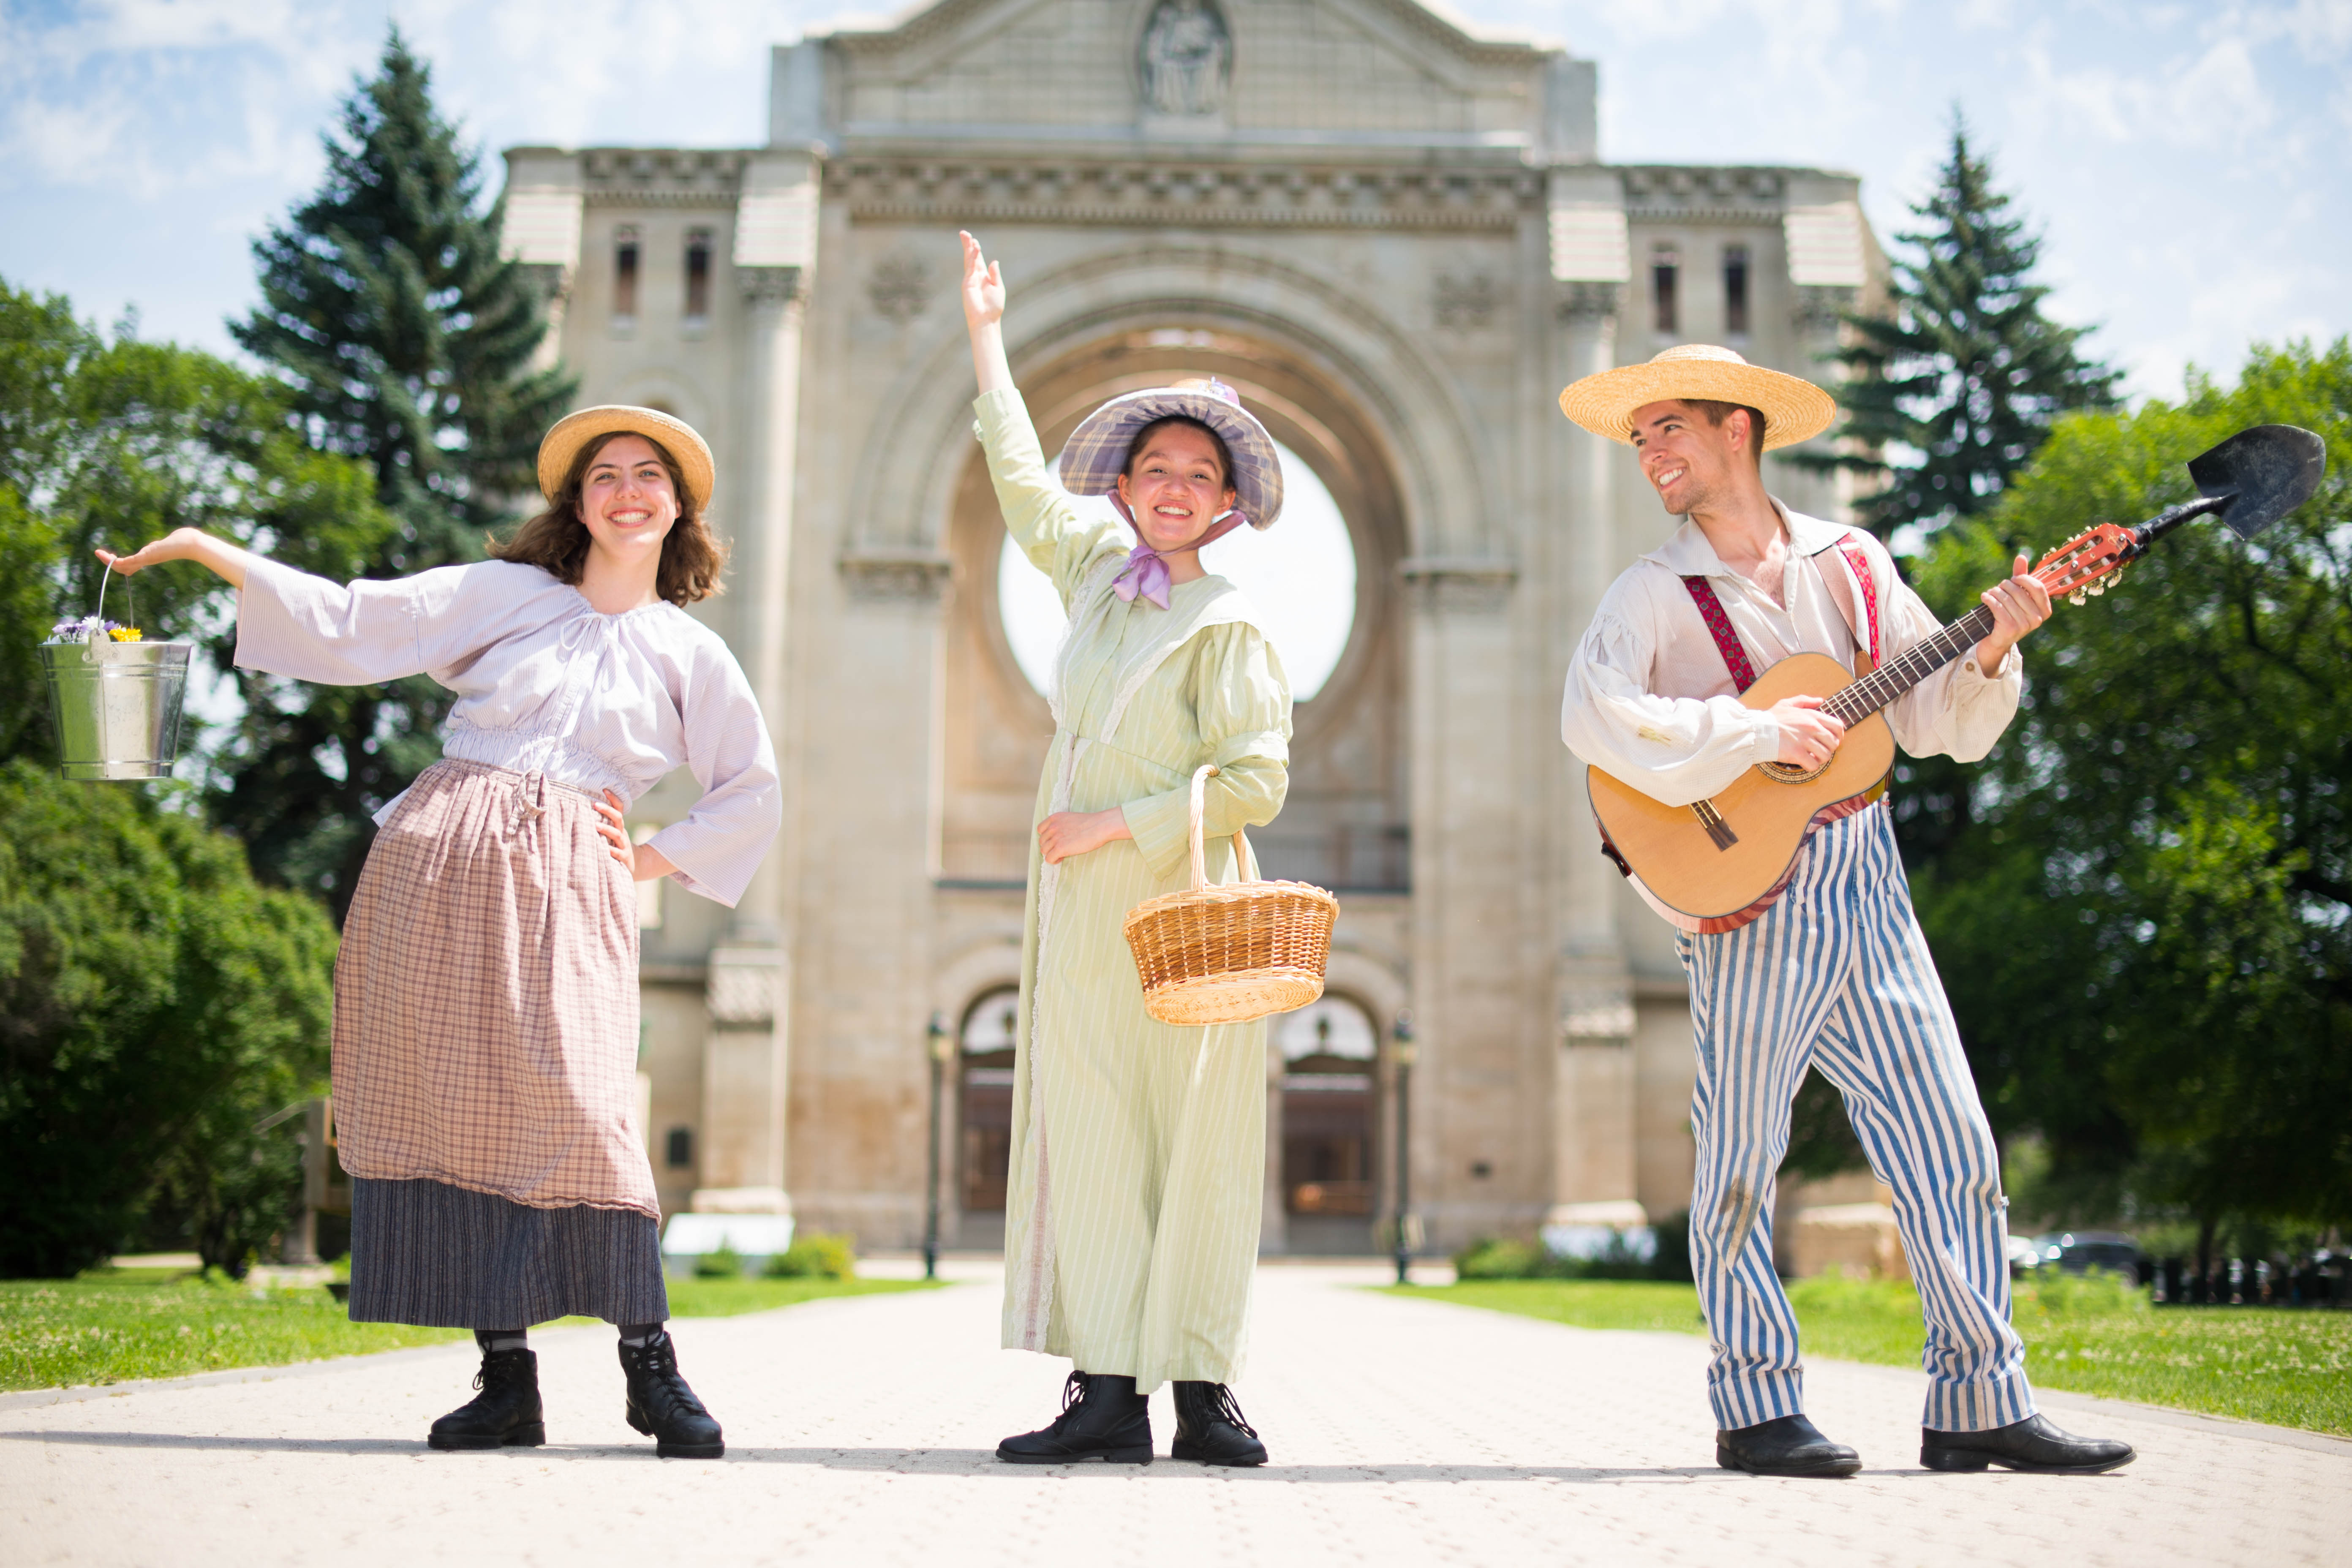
(1244, 862)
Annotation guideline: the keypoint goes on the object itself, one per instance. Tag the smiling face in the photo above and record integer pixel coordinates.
(1693, 465)
(1175, 486)
(627, 499)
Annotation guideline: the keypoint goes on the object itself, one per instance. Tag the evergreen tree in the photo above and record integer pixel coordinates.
(1964, 370)
(405, 341)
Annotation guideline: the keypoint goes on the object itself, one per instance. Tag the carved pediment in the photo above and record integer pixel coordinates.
(1271, 68)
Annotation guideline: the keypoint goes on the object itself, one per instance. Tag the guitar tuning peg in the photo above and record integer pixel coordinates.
(2098, 587)
(2078, 598)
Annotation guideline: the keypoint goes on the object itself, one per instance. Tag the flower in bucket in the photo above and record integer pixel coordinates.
(86, 627)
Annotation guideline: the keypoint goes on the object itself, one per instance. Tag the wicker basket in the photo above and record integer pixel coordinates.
(1230, 953)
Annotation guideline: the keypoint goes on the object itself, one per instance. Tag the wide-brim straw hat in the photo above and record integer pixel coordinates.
(562, 444)
(1097, 452)
(1794, 409)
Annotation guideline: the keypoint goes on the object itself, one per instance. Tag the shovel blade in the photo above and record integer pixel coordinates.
(2261, 474)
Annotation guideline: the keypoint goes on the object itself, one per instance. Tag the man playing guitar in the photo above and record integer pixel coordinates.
(1830, 969)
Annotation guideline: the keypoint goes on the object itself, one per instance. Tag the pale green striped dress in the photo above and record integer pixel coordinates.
(1138, 1150)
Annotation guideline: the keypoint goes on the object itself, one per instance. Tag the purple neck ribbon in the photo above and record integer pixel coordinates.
(1146, 573)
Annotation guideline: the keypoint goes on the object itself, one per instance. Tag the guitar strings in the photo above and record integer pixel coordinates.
(1890, 681)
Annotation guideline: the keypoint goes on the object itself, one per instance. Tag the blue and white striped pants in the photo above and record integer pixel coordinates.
(1837, 975)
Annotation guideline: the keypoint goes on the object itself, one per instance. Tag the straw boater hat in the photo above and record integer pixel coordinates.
(560, 445)
(1793, 410)
(1097, 452)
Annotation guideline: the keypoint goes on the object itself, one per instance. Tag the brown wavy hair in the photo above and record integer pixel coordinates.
(556, 541)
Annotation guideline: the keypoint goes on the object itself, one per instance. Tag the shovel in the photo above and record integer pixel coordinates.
(2249, 482)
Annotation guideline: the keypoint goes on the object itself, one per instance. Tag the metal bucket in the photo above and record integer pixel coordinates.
(116, 706)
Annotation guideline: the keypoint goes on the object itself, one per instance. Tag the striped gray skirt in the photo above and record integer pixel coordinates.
(426, 1252)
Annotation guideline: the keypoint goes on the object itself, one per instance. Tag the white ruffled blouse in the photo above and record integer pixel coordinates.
(546, 684)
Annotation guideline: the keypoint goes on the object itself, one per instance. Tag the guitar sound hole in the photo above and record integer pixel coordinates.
(1781, 772)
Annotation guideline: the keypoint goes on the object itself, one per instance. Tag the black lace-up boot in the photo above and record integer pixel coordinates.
(662, 1406)
(1102, 1419)
(1209, 1430)
(505, 1415)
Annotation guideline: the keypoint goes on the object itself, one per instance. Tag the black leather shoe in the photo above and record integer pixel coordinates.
(1209, 1430)
(2032, 1445)
(1102, 1419)
(663, 1407)
(1785, 1446)
(505, 1415)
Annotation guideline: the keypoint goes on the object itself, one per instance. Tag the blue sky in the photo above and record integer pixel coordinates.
(2192, 165)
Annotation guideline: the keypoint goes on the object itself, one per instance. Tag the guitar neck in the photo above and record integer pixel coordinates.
(1892, 680)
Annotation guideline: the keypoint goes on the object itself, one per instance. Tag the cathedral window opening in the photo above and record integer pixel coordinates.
(1666, 265)
(1735, 289)
(625, 275)
(697, 276)
(1301, 575)
(678, 1148)
(984, 1101)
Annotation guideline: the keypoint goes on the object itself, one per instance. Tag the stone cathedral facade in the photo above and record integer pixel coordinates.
(1398, 240)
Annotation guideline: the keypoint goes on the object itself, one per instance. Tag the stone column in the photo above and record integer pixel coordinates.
(1471, 975)
(1593, 1079)
(747, 1053)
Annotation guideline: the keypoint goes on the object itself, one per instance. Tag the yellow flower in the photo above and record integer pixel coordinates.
(124, 634)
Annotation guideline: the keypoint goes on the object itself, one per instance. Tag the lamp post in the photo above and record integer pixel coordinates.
(1402, 1052)
(943, 1046)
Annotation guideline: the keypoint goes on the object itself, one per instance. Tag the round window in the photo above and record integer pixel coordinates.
(1300, 574)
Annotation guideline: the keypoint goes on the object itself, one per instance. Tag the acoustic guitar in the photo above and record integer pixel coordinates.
(1719, 863)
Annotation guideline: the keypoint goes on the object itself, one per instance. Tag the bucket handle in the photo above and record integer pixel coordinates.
(1243, 861)
(98, 635)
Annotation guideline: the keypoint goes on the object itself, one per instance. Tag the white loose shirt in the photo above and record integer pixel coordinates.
(546, 684)
(1650, 701)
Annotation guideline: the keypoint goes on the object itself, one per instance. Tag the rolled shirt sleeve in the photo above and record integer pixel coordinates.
(1243, 699)
(1959, 709)
(724, 837)
(1676, 750)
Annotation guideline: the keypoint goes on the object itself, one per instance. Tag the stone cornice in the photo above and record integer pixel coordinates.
(1472, 583)
(904, 576)
(1238, 197)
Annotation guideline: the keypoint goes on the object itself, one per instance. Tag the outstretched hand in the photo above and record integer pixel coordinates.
(983, 286)
(983, 313)
(184, 544)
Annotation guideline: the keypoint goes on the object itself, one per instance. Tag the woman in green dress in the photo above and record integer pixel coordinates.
(1138, 1149)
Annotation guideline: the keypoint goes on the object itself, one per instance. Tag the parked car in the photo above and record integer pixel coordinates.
(2080, 1251)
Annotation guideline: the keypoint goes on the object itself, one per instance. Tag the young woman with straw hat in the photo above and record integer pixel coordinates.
(1139, 1159)
(1834, 973)
(486, 994)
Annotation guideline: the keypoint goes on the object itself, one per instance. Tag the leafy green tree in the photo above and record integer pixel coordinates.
(114, 442)
(154, 1004)
(1950, 392)
(2146, 928)
(405, 341)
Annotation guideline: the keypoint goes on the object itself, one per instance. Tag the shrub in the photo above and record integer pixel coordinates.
(816, 1258)
(156, 1008)
(723, 1264)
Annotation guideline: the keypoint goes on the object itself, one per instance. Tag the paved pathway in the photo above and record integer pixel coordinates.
(859, 1432)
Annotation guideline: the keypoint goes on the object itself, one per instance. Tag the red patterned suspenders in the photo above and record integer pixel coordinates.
(1726, 641)
(1718, 626)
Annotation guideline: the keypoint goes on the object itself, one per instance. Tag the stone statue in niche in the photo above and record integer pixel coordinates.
(1188, 58)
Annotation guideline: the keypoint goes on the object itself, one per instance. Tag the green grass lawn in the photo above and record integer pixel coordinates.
(2286, 1367)
(112, 1324)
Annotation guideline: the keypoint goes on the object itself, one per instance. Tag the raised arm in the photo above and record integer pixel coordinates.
(224, 560)
(1058, 539)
